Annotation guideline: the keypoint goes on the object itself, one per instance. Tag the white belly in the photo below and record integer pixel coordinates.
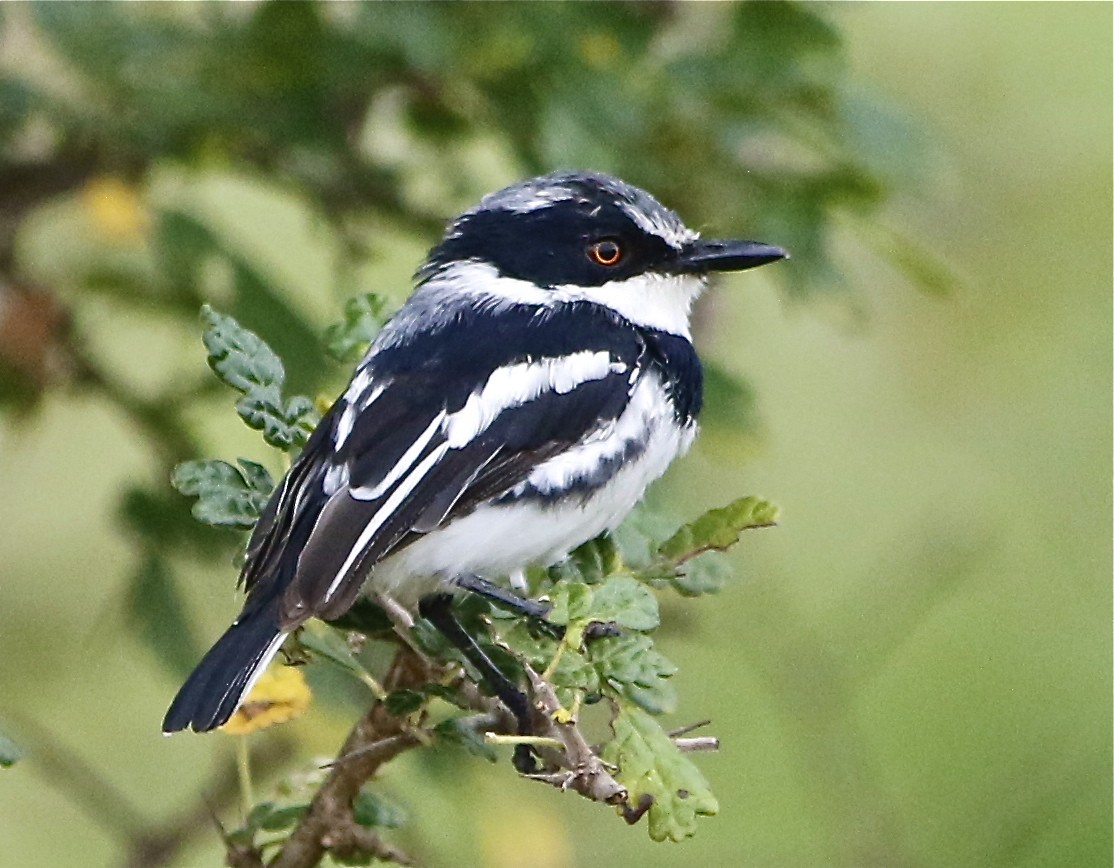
(495, 540)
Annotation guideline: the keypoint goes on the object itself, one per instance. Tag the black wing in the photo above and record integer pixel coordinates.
(429, 430)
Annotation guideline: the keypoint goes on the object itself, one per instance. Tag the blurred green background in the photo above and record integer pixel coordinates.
(914, 669)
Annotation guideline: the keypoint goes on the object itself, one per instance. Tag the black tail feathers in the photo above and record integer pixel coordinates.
(221, 680)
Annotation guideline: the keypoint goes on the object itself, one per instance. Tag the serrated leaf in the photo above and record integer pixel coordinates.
(575, 672)
(370, 809)
(364, 316)
(10, 752)
(536, 649)
(718, 529)
(284, 426)
(631, 667)
(572, 601)
(244, 361)
(706, 573)
(589, 563)
(627, 602)
(452, 732)
(638, 537)
(650, 764)
(239, 357)
(227, 496)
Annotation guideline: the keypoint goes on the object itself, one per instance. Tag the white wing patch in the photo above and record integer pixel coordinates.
(385, 511)
(404, 463)
(515, 385)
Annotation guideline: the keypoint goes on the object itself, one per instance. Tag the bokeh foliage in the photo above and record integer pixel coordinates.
(139, 146)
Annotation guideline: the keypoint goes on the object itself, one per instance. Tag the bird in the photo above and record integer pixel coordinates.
(539, 377)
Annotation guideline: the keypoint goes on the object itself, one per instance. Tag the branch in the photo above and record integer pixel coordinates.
(584, 771)
(378, 737)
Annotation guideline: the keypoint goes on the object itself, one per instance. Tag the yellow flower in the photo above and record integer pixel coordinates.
(281, 694)
(115, 208)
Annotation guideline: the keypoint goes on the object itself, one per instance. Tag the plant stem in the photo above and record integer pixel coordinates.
(243, 770)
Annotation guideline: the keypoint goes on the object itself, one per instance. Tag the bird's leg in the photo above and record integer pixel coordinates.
(532, 609)
(437, 609)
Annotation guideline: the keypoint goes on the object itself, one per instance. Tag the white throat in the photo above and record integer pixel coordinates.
(656, 301)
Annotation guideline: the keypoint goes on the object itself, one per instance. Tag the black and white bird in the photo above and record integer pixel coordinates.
(538, 379)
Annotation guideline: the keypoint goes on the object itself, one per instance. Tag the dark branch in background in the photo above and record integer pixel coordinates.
(146, 845)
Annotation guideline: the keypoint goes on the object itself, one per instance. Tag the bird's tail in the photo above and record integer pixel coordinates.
(224, 676)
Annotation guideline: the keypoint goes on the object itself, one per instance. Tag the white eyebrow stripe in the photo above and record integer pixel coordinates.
(390, 505)
(403, 464)
(515, 385)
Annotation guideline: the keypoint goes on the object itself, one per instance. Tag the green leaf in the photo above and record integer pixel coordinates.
(284, 426)
(627, 602)
(364, 316)
(718, 529)
(452, 732)
(10, 752)
(227, 496)
(572, 607)
(403, 702)
(326, 643)
(572, 601)
(706, 573)
(242, 360)
(589, 563)
(638, 537)
(632, 668)
(272, 818)
(239, 357)
(370, 809)
(650, 764)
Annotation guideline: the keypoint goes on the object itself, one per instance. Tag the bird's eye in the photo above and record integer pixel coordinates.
(606, 252)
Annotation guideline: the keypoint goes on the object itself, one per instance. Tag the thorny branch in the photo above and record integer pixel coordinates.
(328, 825)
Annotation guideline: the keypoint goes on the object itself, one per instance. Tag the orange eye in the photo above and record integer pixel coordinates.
(606, 252)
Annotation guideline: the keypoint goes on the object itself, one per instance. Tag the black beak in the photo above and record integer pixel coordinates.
(702, 256)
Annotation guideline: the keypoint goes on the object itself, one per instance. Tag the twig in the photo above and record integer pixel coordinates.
(378, 737)
(585, 772)
(691, 745)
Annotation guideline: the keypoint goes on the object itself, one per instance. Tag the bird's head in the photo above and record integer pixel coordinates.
(584, 236)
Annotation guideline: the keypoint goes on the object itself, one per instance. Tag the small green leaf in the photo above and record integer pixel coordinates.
(10, 752)
(650, 764)
(634, 669)
(452, 732)
(242, 360)
(364, 617)
(706, 573)
(239, 357)
(538, 650)
(370, 809)
(364, 316)
(590, 562)
(403, 702)
(575, 672)
(326, 643)
(718, 529)
(572, 601)
(638, 537)
(283, 426)
(283, 818)
(627, 602)
(257, 815)
(227, 496)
